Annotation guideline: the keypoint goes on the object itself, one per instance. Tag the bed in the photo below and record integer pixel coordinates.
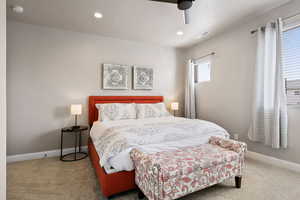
(110, 143)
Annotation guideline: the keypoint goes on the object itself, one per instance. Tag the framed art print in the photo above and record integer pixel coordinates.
(142, 78)
(115, 77)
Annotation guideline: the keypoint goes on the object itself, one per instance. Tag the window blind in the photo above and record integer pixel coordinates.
(291, 64)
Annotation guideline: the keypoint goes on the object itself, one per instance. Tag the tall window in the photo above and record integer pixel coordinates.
(202, 70)
(291, 64)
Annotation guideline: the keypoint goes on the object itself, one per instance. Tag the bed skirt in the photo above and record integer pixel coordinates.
(110, 184)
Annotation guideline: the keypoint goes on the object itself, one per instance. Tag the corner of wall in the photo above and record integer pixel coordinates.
(3, 99)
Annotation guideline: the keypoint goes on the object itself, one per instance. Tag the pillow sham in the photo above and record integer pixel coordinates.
(116, 111)
(151, 110)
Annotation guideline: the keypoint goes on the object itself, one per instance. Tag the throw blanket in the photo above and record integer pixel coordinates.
(115, 138)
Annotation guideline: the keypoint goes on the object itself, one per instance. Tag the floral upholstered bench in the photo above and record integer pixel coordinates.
(173, 174)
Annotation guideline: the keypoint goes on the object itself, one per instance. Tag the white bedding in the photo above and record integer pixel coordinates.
(114, 140)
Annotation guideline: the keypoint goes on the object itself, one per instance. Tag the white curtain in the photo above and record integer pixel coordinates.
(269, 114)
(190, 101)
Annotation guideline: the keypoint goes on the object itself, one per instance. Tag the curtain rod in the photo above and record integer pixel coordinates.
(288, 17)
(210, 54)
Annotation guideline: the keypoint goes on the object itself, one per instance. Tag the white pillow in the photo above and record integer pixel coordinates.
(116, 111)
(151, 110)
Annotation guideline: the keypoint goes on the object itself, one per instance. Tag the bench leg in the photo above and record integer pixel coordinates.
(238, 181)
(140, 194)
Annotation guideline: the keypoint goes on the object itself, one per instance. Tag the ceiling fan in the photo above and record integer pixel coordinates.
(184, 5)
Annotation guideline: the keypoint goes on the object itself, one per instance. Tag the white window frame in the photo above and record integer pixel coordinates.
(291, 23)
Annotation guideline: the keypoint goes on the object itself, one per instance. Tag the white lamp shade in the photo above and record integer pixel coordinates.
(175, 106)
(76, 109)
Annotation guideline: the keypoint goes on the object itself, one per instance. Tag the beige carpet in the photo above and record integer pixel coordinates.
(51, 179)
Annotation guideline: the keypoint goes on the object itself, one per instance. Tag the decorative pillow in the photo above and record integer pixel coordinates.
(151, 110)
(116, 111)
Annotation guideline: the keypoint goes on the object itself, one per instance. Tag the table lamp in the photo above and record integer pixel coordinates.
(76, 109)
(175, 107)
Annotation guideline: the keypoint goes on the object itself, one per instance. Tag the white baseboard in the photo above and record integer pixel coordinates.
(273, 161)
(39, 155)
(253, 155)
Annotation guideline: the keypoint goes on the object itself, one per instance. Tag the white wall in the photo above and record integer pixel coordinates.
(48, 69)
(3, 99)
(227, 99)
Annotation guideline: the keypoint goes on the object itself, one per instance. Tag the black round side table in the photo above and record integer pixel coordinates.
(76, 155)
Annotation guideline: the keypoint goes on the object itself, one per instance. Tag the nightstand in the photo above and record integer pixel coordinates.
(76, 155)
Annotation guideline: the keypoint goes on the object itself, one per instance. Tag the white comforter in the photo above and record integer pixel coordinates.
(115, 139)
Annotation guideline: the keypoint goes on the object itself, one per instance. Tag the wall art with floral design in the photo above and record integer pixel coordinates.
(142, 78)
(115, 77)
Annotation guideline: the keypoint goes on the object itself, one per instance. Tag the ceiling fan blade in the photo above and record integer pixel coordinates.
(166, 1)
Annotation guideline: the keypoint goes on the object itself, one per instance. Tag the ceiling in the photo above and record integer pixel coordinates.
(141, 20)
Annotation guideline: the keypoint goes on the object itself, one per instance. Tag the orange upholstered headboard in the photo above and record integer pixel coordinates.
(93, 100)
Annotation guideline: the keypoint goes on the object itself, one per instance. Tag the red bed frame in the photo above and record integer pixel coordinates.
(111, 184)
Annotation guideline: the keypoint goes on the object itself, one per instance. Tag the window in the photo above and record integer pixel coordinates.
(202, 70)
(291, 64)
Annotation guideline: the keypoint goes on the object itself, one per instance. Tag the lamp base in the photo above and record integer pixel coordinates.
(75, 126)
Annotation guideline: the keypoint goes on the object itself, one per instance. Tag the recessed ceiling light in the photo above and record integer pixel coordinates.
(98, 15)
(179, 33)
(17, 9)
